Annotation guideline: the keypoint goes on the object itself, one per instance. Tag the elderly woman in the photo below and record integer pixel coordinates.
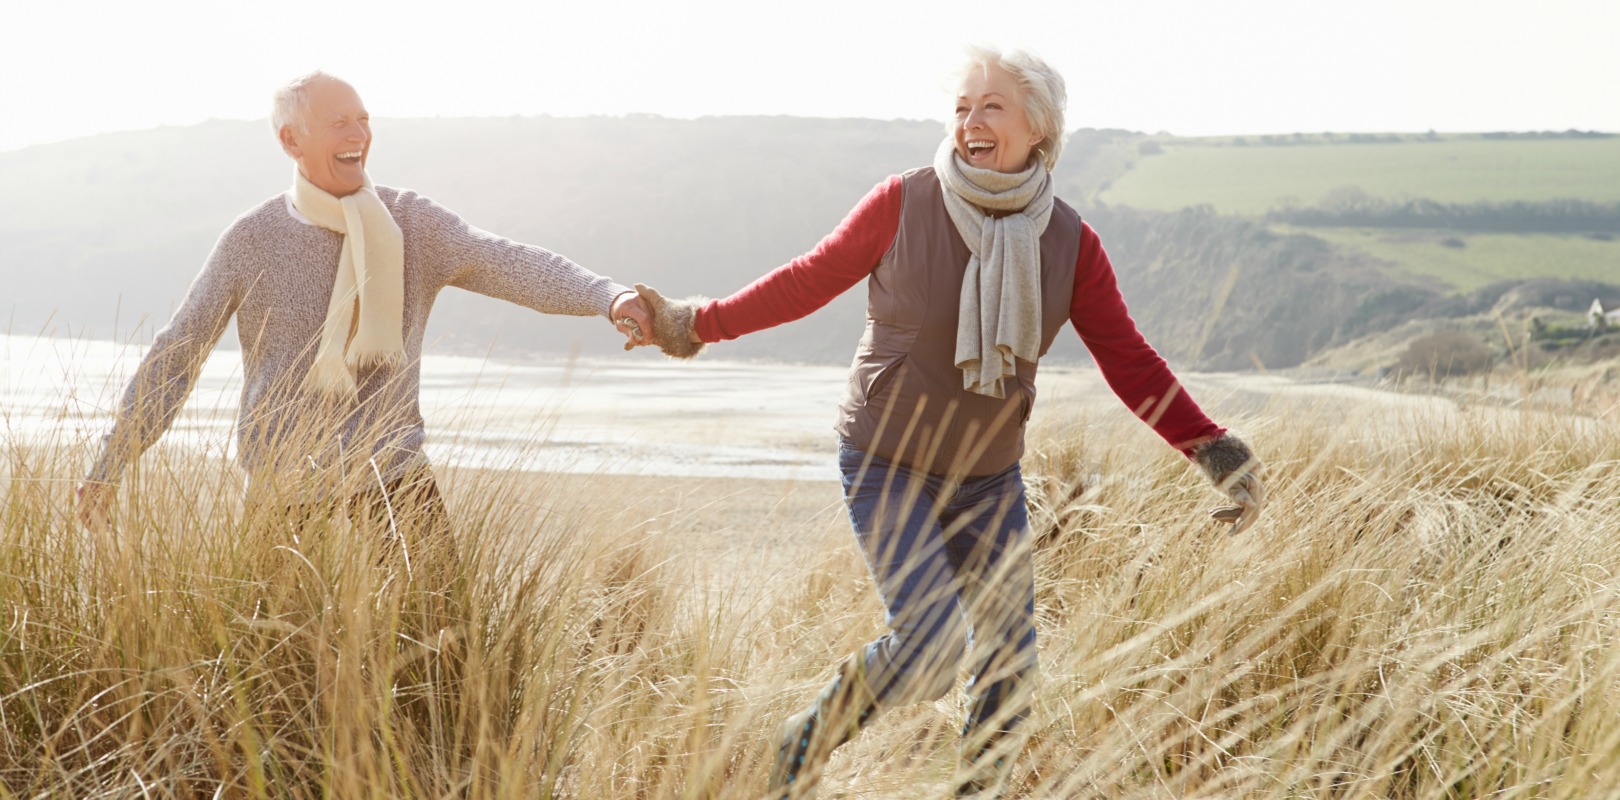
(972, 268)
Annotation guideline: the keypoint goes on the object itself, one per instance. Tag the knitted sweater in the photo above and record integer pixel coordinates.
(1136, 372)
(275, 273)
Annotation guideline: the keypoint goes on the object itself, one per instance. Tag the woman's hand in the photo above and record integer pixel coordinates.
(672, 322)
(1250, 494)
(1232, 467)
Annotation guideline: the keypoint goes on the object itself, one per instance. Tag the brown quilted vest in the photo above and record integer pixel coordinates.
(905, 400)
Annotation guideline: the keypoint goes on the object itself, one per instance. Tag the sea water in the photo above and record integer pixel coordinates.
(633, 416)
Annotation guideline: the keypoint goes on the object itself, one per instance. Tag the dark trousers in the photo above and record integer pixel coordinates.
(952, 564)
(408, 521)
(417, 569)
(409, 513)
(406, 514)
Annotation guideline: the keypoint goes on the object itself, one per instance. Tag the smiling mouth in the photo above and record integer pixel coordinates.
(980, 149)
(350, 157)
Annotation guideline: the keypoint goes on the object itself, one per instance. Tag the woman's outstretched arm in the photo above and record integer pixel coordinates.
(799, 287)
(1142, 379)
(1134, 370)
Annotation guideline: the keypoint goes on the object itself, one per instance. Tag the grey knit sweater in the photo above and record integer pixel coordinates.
(275, 273)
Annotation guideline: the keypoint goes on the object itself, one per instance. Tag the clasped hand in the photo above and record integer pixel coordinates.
(632, 318)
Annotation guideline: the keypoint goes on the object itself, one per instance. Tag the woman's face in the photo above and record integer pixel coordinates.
(991, 129)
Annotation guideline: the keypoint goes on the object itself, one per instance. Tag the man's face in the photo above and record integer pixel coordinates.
(335, 139)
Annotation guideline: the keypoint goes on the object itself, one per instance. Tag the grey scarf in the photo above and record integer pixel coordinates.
(999, 318)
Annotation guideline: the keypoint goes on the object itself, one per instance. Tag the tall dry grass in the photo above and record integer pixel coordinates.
(1428, 610)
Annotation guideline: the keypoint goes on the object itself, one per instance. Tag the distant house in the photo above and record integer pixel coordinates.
(1599, 319)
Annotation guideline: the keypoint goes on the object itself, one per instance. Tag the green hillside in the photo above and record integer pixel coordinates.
(1251, 179)
(1469, 261)
(1456, 212)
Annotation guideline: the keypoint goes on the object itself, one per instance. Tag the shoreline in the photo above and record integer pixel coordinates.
(708, 419)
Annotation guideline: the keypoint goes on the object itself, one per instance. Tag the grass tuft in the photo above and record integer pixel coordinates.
(1426, 611)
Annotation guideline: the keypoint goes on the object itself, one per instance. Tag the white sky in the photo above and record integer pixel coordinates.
(71, 68)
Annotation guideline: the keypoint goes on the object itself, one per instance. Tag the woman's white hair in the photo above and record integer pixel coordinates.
(1044, 93)
(291, 101)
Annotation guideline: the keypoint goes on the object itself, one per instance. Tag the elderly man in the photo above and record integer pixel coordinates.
(331, 283)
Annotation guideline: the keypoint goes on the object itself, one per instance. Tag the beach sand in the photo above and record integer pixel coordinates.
(734, 534)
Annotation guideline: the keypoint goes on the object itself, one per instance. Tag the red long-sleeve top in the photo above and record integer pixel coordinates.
(1134, 370)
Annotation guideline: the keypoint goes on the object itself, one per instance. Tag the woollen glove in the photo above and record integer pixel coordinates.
(1232, 467)
(672, 322)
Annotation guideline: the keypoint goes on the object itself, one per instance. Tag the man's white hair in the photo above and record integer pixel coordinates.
(1044, 93)
(292, 100)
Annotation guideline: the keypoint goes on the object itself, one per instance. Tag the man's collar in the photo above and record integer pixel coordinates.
(293, 212)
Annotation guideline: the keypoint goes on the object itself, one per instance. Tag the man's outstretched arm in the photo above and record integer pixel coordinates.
(525, 274)
(163, 380)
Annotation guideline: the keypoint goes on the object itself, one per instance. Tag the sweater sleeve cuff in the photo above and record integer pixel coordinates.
(707, 324)
(106, 468)
(1189, 448)
(611, 290)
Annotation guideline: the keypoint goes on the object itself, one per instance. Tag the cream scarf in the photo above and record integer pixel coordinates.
(370, 279)
(999, 319)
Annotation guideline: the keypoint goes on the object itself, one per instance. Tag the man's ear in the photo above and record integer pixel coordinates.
(289, 141)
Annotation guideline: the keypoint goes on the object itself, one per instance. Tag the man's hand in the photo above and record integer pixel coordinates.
(95, 505)
(631, 318)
